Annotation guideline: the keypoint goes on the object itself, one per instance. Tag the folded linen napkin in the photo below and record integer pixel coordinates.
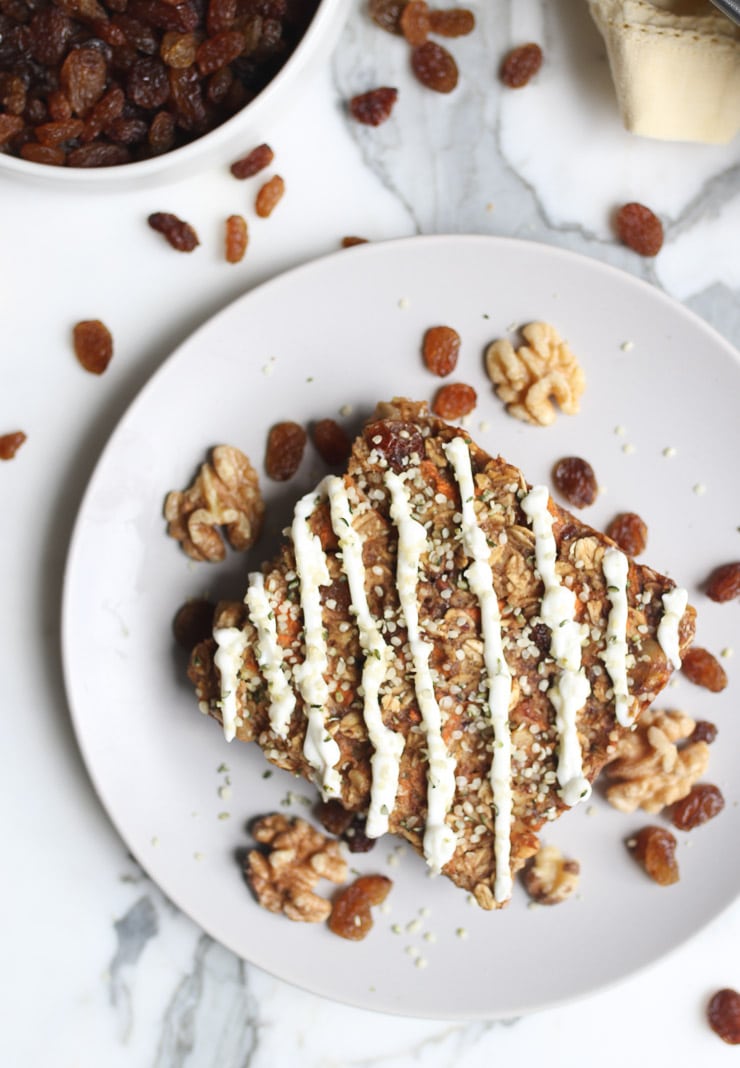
(675, 66)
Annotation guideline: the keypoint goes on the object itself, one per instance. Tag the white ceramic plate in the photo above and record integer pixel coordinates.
(346, 331)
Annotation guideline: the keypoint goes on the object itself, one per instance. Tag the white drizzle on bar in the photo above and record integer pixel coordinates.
(571, 688)
(674, 606)
(270, 655)
(231, 644)
(498, 677)
(319, 748)
(439, 838)
(387, 745)
(615, 568)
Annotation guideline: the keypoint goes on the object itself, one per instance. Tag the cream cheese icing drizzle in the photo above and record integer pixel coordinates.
(231, 644)
(270, 655)
(319, 748)
(439, 839)
(571, 688)
(615, 567)
(674, 606)
(480, 579)
(387, 744)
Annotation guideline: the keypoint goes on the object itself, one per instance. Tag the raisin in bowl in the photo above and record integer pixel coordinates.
(100, 93)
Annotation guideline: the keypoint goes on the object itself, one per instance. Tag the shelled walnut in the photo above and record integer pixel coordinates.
(551, 878)
(529, 378)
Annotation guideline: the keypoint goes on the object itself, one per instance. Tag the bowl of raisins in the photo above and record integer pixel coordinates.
(98, 93)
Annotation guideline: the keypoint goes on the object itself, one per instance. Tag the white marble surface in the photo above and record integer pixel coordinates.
(97, 967)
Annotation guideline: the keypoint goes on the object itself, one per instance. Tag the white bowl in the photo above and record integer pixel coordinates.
(242, 131)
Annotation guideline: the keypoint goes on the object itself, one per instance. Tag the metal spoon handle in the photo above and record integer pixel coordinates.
(731, 8)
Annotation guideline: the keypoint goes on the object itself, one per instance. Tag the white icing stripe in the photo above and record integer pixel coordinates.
(674, 606)
(439, 839)
(571, 688)
(387, 744)
(615, 567)
(231, 645)
(319, 748)
(498, 681)
(270, 655)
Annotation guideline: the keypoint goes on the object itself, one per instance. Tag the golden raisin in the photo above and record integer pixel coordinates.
(629, 532)
(723, 1013)
(237, 238)
(93, 345)
(454, 22)
(254, 162)
(724, 583)
(350, 914)
(374, 107)
(640, 229)
(269, 196)
(285, 444)
(10, 444)
(655, 849)
(387, 14)
(440, 349)
(351, 241)
(454, 401)
(520, 65)
(331, 441)
(574, 478)
(193, 623)
(434, 67)
(415, 22)
(703, 802)
(702, 668)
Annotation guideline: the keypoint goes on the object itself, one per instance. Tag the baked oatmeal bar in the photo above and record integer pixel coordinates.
(442, 647)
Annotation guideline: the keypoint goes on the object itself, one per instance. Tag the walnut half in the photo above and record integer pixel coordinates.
(529, 378)
(225, 493)
(551, 878)
(284, 877)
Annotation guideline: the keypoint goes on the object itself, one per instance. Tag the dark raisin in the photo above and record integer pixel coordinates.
(10, 125)
(332, 442)
(107, 109)
(59, 107)
(541, 635)
(723, 1014)
(54, 157)
(434, 67)
(629, 532)
(334, 817)
(53, 134)
(454, 401)
(98, 154)
(440, 349)
(285, 444)
(387, 14)
(702, 668)
(10, 444)
(83, 77)
(221, 16)
(219, 86)
(520, 65)
(269, 196)
(127, 131)
(396, 441)
(51, 29)
(193, 623)
(724, 583)
(350, 242)
(187, 99)
(454, 22)
(254, 162)
(147, 84)
(180, 234)
(574, 478)
(640, 229)
(703, 802)
(237, 238)
(216, 52)
(161, 136)
(356, 838)
(93, 345)
(374, 107)
(703, 731)
(415, 22)
(655, 849)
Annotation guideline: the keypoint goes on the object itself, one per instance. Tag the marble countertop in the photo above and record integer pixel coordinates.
(99, 968)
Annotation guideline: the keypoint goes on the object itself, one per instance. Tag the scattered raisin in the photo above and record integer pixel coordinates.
(237, 238)
(387, 14)
(350, 242)
(285, 445)
(350, 915)
(434, 67)
(356, 837)
(269, 196)
(374, 107)
(254, 162)
(10, 444)
(454, 22)
(703, 802)
(415, 22)
(655, 849)
(629, 532)
(333, 816)
(332, 442)
(180, 234)
(193, 623)
(395, 440)
(454, 401)
(724, 583)
(574, 478)
(640, 229)
(703, 731)
(93, 345)
(702, 668)
(723, 1013)
(440, 349)
(520, 65)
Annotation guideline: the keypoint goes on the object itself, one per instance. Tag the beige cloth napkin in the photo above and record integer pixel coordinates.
(675, 66)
